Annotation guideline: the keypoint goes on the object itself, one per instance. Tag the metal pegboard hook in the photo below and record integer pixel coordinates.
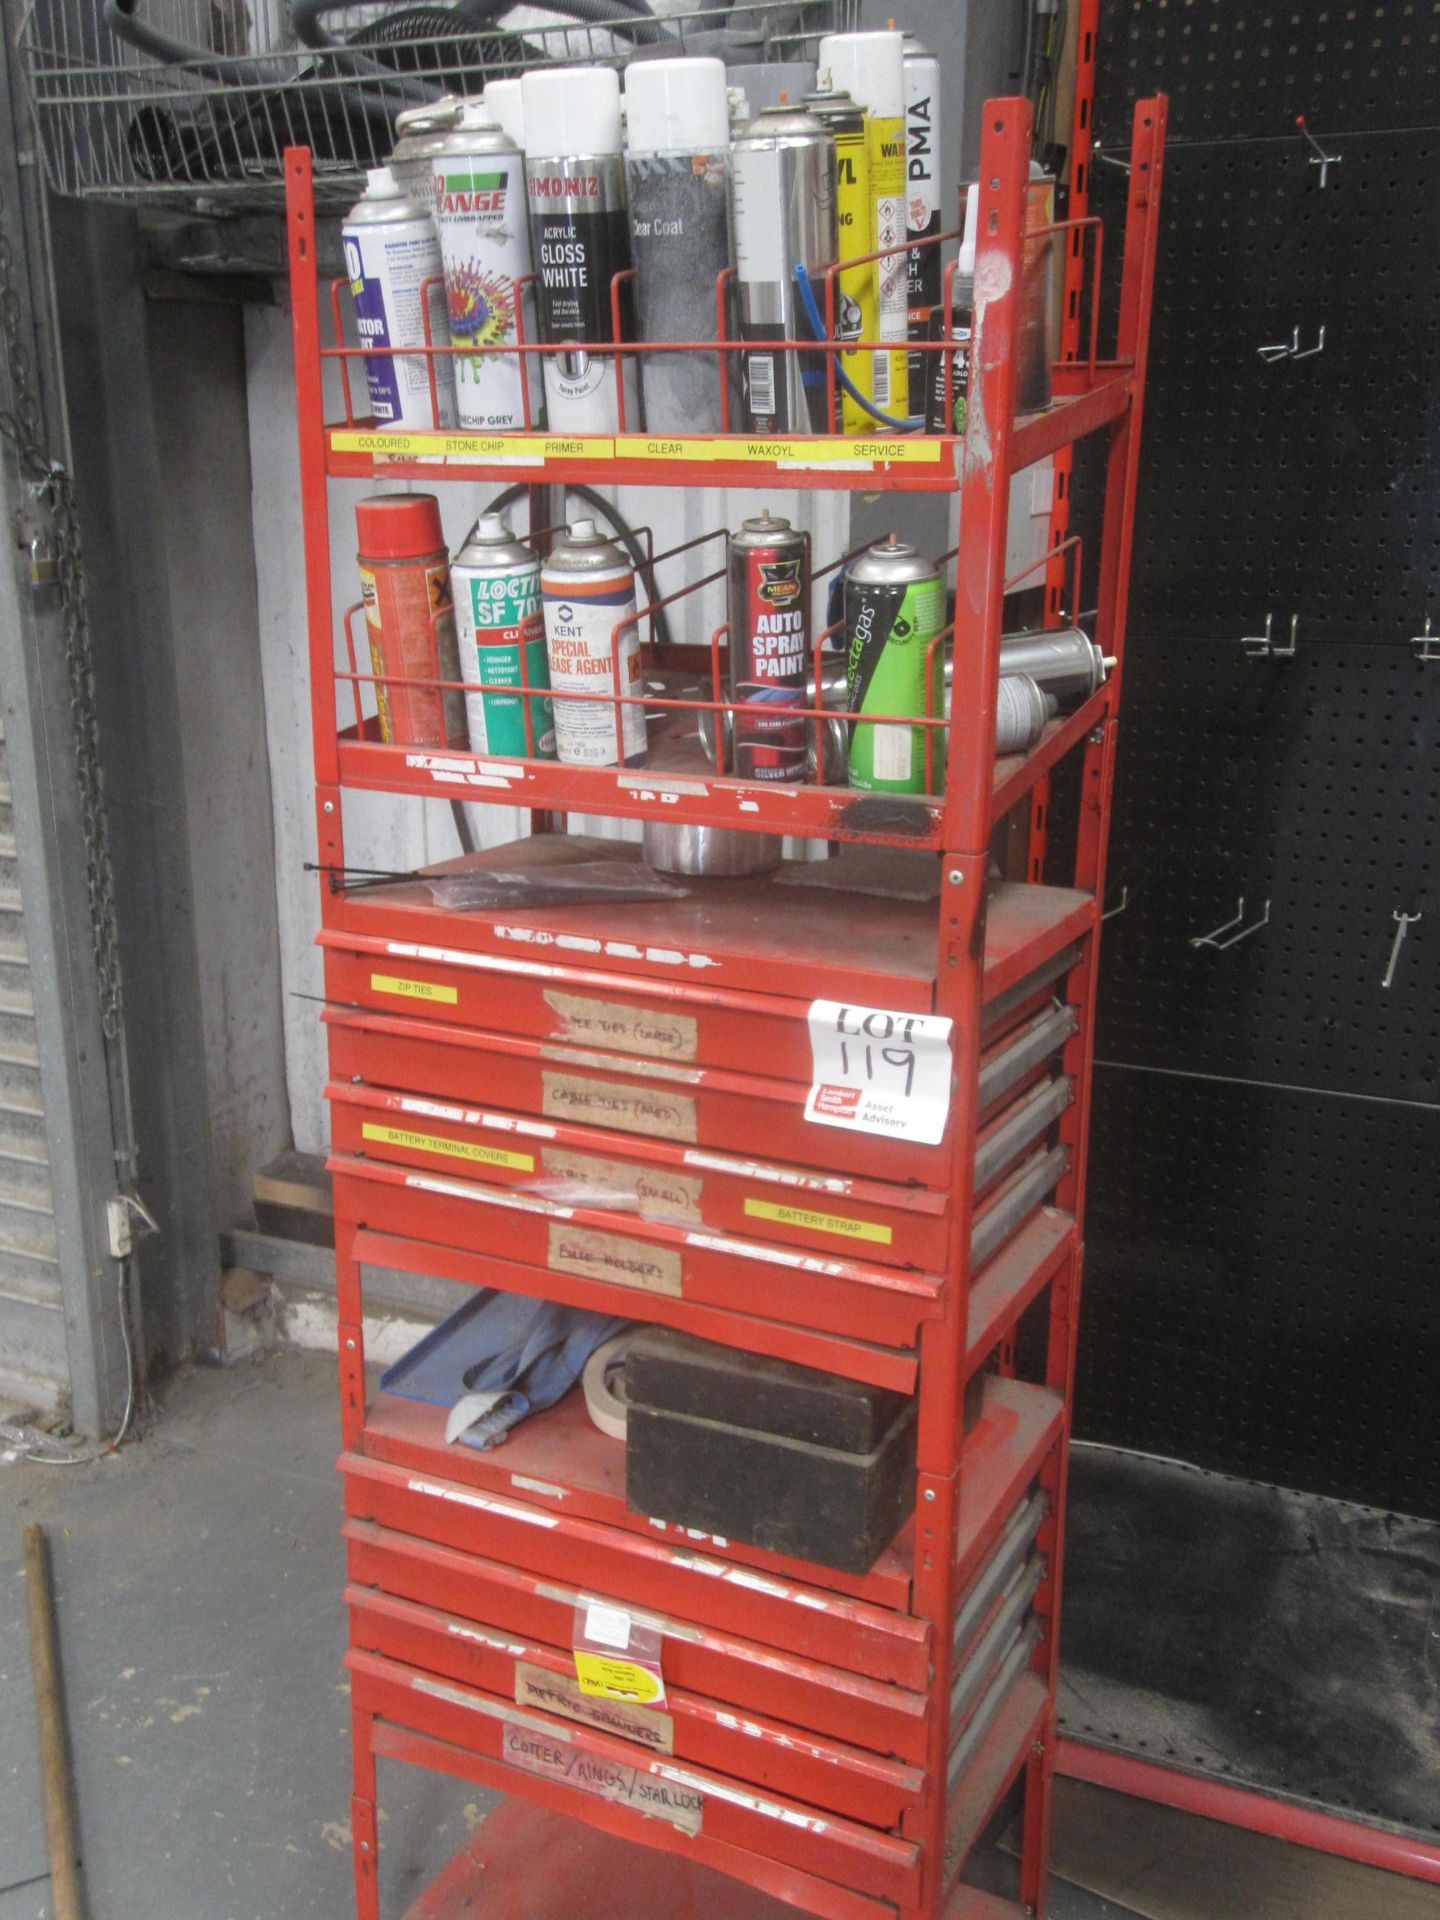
(1403, 924)
(1262, 646)
(1113, 913)
(1108, 159)
(1212, 939)
(1319, 157)
(1426, 644)
(1291, 349)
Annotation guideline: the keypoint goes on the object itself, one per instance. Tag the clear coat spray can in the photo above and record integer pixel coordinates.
(677, 172)
(480, 213)
(855, 290)
(769, 613)
(587, 587)
(496, 583)
(581, 239)
(390, 252)
(894, 607)
(409, 619)
(783, 206)
(922, 204)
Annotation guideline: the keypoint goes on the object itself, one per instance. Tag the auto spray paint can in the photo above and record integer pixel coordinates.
(769, 614)
(677, 176)
(480, 214)
(894, 607)
(587, 587)
(854, 222)
(409, 618)
(496, 583)
(390, 252)
(783, 209)
(871, 68)
(581, 239)
(922, 205)
(419, 134)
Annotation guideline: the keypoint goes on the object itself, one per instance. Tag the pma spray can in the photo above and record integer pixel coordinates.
(419, 134)
(677, 172)
(496, 582)
(409, 618)
(894, 607)
(480, 213)
(854, 220)
(587, 588)
(871, 68)
(581, 238)
(922, 203)
(390, 252)
(783, 203)
(769, 609)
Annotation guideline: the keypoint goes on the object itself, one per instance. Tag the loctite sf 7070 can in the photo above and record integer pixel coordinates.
(894, 607)
(855, 227)
(390, 252)
(410, 618)
(769, 609)
(496, 582)
(587, 588)
(783, 202)
(922, 205)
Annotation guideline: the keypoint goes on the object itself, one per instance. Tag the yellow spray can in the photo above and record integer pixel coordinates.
(855, 289)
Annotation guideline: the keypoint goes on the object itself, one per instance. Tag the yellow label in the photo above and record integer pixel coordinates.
(532, 449)
(568, 447)
(414, 989)
(513, 448)
(651, 446)
(451, 1149)
(818, 1222)
(906, 452)
(609, 1679)
(558, 1693)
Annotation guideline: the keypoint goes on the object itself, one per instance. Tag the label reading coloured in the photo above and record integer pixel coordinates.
(807, 1219)
(632, 1787)
(414, 989)
(558, 1693)
(650, 1110)
(658, 1033)
(471, 1150)
(874, 1071)
(609, 1256)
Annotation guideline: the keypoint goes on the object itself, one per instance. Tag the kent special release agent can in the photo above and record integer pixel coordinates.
(855, 224)
(496, 583)
(894, 607)
(769, 609)
(922, 205)
(390, 252)
(587, 587)
(409, 618)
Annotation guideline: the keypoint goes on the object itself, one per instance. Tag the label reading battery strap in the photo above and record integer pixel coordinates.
(874, 1071)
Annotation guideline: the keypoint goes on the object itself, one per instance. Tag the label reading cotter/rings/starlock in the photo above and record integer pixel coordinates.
(617, 1655)
(875, 1071)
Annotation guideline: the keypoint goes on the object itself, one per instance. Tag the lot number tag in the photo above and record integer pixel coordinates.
(879, 1072)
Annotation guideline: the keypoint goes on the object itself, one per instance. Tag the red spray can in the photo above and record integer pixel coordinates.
(410, 619)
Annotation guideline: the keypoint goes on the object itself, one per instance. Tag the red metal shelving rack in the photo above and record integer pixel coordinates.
(464, 1571)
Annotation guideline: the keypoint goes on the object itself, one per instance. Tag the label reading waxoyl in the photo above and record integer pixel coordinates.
(609, 1256)
(558, 1693)
(534, 1752)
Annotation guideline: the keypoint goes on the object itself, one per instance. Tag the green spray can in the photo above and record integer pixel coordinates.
(496, 582)
(894, 607)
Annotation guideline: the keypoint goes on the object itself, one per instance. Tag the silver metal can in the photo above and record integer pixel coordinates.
(894, 608)
(419, 134)
(587, 588)
(769, 619)
(495, 579)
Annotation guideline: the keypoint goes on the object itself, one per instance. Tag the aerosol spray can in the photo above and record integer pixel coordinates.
(581, 238)
(922, 204)
(480, 213)
(783, 204)
(505, 107)
(854, 221)
(587, 587)
(677, 172)
(871, 68)
(410, 618)
(894, 607)
(769, 608)
(419, 134)
(390, 252)
(496, 583)
(947, 401)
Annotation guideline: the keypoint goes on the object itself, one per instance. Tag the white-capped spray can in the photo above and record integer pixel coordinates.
(506, 108)
(419, 134)
(922, 205)
(496, 582)
(391, 251)
(480, 214)
(677, 175)
(587, 588)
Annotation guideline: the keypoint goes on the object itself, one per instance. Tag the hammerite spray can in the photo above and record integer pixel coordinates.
(587, 587)
(409, 618)
(894, 607)
(783, 206)
(480, 214)
(419, 134)
(871, 68)
(854, 222)
(390, 252)
(922, 205)
(581, 239)
(496, 583)
(677, 176)
(769, 610)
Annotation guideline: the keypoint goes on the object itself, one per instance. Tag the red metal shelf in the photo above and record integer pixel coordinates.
(999, 1458)
(1008, 1745)
(1006, 1285)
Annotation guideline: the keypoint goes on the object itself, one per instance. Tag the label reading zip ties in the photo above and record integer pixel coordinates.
(879, 1072)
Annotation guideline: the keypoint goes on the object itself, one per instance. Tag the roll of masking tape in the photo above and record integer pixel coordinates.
(604, 1384)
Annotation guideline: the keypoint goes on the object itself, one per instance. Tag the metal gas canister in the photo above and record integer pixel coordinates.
(419, 134)
(392, 261)
(769, 617)
(587, 588)
(496, 582)
(409, 618)
(894, 607)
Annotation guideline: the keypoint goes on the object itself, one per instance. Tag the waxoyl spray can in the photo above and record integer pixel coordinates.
(677, 172)
(783, 203)
(496, 583)
(481, 217)
(871, 68)
(769, 613)
(409, 618)
(580, 238)
(587, 587)
(390, 252)
(922, 204)
(894, 607)
(419, 134)
(855, 222)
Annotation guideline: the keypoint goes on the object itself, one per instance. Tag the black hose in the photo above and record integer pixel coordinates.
(307, 16)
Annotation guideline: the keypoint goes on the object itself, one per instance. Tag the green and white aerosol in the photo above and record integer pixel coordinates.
(496, 583)
(894, 607)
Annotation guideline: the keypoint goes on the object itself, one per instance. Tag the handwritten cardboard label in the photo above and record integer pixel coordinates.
(655, 1111)
(558, 1693)
(655, 1032)
(632, 1787)
(611, 1257)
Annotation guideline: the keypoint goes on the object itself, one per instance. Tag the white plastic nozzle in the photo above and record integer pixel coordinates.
(676, 106)
(571, 110)
(381, 184)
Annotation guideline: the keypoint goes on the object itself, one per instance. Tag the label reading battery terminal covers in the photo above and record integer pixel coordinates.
(473, 1150)
(873, 1071)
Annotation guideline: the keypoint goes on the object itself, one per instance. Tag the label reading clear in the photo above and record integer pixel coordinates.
(874, 1071)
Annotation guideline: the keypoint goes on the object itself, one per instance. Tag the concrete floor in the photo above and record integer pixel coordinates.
(198, 1582)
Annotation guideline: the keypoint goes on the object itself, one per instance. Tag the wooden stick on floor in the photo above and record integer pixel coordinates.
(54, 1761)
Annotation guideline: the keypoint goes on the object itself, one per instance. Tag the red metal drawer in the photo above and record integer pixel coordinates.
(690, 1729)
